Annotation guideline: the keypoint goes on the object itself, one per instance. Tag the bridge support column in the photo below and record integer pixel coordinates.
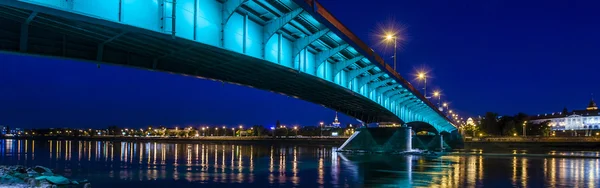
(380, 140)
(441, 141)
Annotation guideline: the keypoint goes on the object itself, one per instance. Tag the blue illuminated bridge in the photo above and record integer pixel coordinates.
(292, 47)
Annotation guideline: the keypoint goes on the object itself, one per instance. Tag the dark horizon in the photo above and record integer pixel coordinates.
(507, 57)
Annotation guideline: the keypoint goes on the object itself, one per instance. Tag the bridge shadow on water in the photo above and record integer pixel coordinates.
(384, 170)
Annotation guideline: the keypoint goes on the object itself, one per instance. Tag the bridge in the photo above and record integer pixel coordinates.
(292, 47)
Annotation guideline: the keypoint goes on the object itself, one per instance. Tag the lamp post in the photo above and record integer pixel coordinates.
(423, 76)
(524, 129)
(295, 130)
(321, 128)
(445, 105)
(390, 37)
(439, 96)
(216, 131)
(233, 132)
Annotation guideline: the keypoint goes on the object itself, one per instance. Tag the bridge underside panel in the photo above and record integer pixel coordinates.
(50, 35)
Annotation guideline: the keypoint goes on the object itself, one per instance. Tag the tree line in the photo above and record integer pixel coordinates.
(492, 124)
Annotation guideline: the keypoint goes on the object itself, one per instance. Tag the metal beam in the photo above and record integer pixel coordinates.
(276, 24)
(302, 43)
(406, 102)
(364, 80)
(100, 49)
(402, 97)
(375, 85)
(340, 66)
(356, 72)
(25, 32)
(384, 89)
(322, 56)
(391, 92)
(229, 7)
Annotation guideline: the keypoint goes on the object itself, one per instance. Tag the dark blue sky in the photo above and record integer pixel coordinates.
(504, 56)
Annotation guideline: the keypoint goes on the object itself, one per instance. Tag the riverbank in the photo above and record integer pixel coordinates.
(563, 143)
(329, 141)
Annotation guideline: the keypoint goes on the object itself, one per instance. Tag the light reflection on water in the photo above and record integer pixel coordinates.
(156, 164)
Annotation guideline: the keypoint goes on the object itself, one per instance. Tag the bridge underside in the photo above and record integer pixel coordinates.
(107, 42)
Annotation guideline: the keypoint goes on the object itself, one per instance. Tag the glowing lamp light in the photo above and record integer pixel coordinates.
(421, 75)
(389, 37)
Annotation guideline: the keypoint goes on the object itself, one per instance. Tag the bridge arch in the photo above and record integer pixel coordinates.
(421, 126)
(290, 47)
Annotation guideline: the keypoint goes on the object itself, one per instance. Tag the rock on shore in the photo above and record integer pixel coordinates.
(19, 176)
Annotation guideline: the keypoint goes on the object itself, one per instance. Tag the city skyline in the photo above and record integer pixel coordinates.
(458, 55)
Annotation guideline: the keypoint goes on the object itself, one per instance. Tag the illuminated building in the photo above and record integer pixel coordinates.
(3, 130)
(577, 120)
(336, 123)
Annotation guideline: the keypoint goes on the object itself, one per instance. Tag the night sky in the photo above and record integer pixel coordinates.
(506, 56)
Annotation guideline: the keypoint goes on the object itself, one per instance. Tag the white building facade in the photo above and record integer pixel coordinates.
(588, 119)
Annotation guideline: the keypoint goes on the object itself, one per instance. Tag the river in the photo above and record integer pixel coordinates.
(155, 164)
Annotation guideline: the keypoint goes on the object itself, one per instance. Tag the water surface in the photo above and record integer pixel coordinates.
(155, 164)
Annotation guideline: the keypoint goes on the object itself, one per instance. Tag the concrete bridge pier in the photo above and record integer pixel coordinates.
(379, 140)
(437, 143)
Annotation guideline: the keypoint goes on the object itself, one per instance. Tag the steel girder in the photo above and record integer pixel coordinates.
(276, 24)
(354, 73)
(401, 96)
(322, 56)
(394, 91)
(384, 89)
(364, 80)
(25, 32)
(100, 50)
(340, 66)
(375, 85)
(302, 43)
(229, 7)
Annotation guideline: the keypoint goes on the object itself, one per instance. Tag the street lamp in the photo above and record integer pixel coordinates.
(423, 76)
(394, 38)
(233, 132)
(295, 130)
(439, 96)
(524, 130)
(321, 129)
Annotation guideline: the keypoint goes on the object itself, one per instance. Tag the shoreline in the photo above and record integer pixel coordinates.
(336, 141)
(532, 145)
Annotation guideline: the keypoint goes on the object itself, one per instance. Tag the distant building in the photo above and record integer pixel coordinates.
(17, 131)
(3, 130)
(577, 120)
(336, 123)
